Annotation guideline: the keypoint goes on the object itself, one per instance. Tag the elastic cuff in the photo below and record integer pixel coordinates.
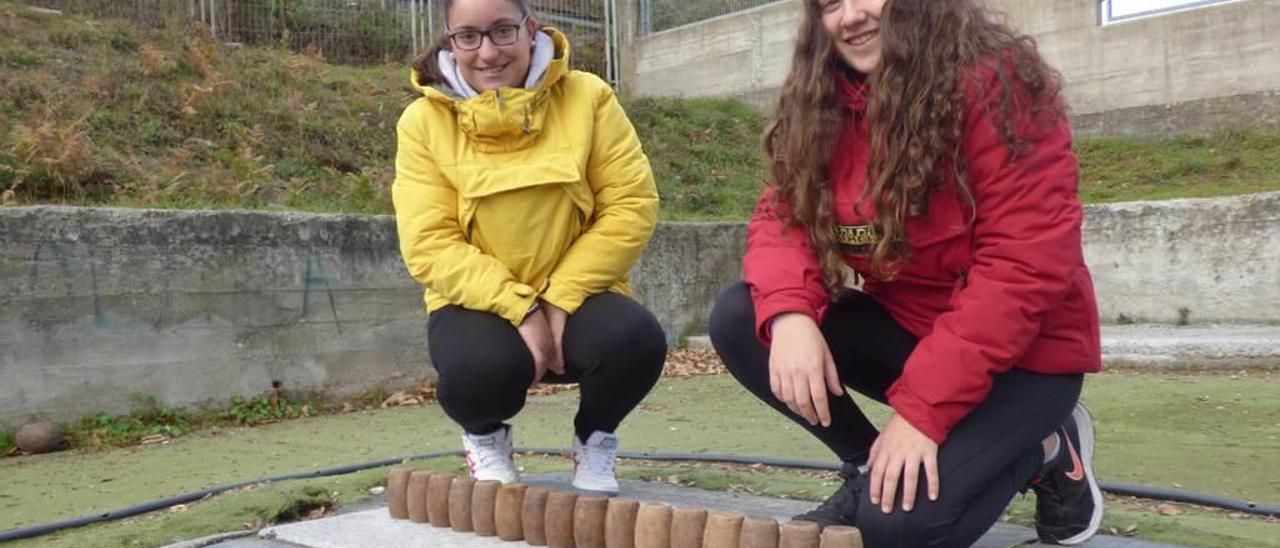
(764, 328)
(563, 298)
(918, 413)
(516, 304)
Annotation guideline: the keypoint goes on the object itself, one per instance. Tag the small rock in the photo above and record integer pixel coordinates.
(1167, 509)
(1237, 515)
(377, 490)
(178, 508)
(39, 437)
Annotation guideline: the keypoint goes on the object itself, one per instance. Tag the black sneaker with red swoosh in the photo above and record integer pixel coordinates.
(1068, 500)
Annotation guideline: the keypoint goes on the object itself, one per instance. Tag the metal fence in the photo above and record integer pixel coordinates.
(660, 15)
(354, 31)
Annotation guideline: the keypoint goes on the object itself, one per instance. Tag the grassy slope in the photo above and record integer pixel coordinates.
(1162, 430)
(95, 112)
(104, 112)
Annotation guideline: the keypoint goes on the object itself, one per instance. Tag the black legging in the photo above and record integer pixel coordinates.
(613, 347)
(987, 458)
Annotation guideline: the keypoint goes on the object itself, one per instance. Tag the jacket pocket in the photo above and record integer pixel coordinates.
(474, 183)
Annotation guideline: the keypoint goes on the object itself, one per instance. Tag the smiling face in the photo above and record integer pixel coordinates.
(491, 66)
(854, 29)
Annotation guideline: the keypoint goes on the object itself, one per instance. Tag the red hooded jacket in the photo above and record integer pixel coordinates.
(984, 291)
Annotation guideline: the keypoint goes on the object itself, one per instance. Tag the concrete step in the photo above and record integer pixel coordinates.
(1223, 347)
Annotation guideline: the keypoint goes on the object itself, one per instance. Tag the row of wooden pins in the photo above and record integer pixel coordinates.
(564, 519)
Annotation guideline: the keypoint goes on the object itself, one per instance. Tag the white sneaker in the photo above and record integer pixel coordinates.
(594, 463)
(491, 456)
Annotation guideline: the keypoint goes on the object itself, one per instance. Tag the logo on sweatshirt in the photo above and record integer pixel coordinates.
(856, 238)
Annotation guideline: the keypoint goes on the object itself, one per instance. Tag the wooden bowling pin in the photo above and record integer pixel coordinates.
(688, 526)
(460, 504)
(620, 523)
(416, 496)
(841, 536)
(438, 499)
(799, 534)
(559, 520)
(397, 491)
(508, 512)
(724, 530)
(483, 499)
(759, 532)
(653, 526)
(588, 522)
(534, 516)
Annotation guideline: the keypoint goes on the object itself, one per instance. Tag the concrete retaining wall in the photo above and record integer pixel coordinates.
(1213, 260)
(191, 307)
(1198, 71)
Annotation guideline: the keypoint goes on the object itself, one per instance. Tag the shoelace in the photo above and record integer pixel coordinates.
(597, 460)
(844, 498)
(487, 457)
(1046, 486)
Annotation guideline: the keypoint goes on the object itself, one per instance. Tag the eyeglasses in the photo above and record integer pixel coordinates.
(499, 35)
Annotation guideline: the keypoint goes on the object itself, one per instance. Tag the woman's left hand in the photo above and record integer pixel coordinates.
(556, 318)
(898, 454)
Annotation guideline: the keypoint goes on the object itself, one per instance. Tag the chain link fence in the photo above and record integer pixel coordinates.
(660, 15)
(351, 31)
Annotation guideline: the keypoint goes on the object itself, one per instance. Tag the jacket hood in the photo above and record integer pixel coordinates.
(508, 118)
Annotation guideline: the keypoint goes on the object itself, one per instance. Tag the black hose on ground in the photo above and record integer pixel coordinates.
(1142, 491)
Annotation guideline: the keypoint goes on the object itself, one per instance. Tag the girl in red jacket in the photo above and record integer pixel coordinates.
(922, 148)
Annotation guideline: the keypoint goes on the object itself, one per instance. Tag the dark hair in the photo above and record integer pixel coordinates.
(915, 115)
(427, 64)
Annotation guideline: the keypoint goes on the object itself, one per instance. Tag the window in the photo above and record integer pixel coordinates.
(1115, 11)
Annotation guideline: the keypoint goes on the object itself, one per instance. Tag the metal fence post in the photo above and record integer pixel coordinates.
(431, 20)
(271, 24)
(610, 42)
(646, 16)
(413, 24)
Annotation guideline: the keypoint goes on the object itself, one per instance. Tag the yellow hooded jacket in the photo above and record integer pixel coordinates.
(517, 194)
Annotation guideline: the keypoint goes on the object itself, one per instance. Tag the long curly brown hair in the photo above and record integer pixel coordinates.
(915, 114)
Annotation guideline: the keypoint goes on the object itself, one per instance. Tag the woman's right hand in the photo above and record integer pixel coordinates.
(801, 369)
(537, 335)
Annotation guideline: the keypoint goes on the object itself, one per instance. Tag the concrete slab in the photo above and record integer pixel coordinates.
(373, 527)
(1171, 347)
(1215, 346)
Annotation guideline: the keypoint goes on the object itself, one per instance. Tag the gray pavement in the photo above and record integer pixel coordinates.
(370, 526)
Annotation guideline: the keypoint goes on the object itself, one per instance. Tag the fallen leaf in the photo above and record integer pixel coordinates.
(153, 439)
(1129, 530)
(178, 508)
(1167, 509)
(377, 490)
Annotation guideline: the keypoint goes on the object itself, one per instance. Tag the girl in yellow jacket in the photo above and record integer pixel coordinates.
(522, 200)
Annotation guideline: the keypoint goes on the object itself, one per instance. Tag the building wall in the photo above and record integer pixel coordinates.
(1200, 70)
